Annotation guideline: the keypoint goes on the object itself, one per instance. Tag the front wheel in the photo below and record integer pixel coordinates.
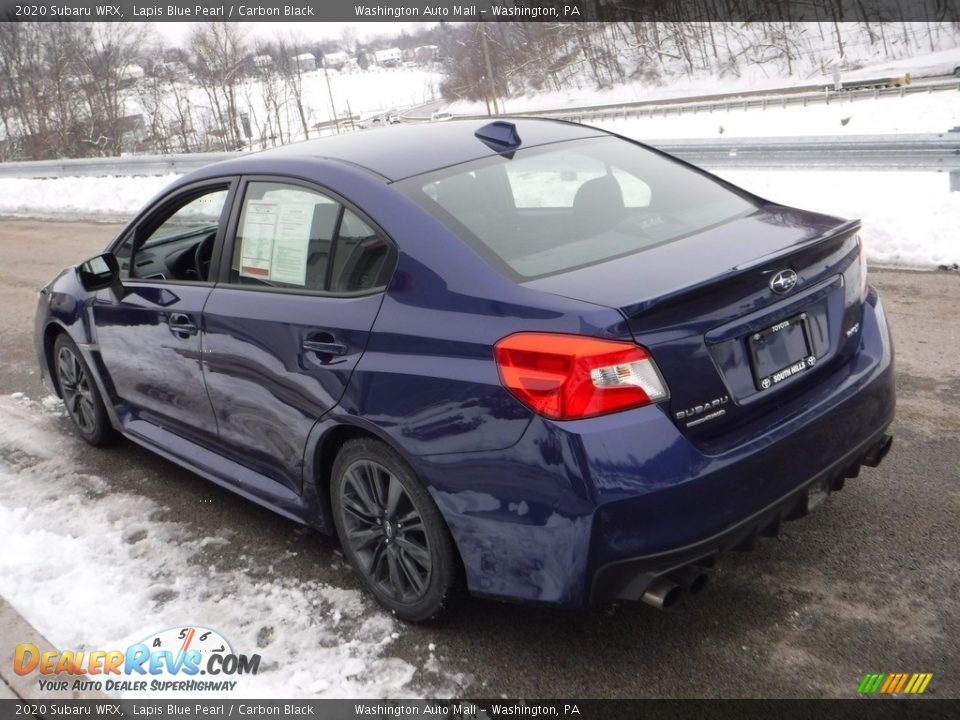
(80, 395)
(392, 532)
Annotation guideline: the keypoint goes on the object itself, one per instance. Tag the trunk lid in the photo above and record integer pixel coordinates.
(730, 346)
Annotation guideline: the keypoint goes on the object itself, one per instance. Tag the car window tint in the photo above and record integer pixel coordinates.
(175, 243)
(362, 257)
(556, 208)
(196, 214)
(284, 237)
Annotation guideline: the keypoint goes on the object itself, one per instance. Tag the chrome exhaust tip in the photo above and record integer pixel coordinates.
(662, 594)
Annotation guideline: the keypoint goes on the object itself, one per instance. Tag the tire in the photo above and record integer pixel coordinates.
(392, 532)
(80, 394)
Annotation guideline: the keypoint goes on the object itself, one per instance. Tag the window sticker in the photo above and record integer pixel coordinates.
(275, 240)
(290, 245)
(259, 230)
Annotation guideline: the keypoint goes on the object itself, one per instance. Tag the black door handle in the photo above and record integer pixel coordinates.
(181, 325)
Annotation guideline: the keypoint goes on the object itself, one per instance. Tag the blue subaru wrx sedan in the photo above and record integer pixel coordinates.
(529, 359)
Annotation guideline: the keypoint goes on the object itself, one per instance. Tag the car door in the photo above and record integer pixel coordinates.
(302, 280)
(149, 333)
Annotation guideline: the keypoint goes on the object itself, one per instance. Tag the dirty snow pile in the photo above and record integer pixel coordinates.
(92, 568)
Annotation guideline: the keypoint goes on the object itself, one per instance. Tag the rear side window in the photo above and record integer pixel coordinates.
(289, 236)
(555, 208)
(361, 256)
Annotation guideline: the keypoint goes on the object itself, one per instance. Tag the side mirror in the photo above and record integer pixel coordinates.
(99, 272)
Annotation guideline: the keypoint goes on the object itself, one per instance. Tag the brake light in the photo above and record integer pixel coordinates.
(566, 377)
(862, 259)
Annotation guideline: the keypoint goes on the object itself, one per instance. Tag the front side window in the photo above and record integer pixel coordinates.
(176, 243)
(555, 208)
(289, 236)
(196, 214)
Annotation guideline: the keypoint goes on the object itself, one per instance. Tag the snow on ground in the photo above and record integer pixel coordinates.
(92, 568)
(909, 219)
(941, 62)
(79, 198)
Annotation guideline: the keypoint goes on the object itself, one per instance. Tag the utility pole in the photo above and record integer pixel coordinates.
(492, 87)
(333, 109)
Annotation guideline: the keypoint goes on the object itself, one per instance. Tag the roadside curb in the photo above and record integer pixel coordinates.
(14, 630)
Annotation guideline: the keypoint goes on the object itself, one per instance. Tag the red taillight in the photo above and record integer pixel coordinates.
(862, 259)
(566, 377)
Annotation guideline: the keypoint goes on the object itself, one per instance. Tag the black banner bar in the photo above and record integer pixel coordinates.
(479, 10)
(860, 709)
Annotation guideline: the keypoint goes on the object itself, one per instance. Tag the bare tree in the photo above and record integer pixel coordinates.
(291, 68)
(221, 51)
(105, 54)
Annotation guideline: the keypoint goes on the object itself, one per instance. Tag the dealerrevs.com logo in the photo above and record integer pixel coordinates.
(184, 659)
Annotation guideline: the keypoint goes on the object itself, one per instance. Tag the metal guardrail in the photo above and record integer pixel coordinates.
(918, 152)
(928, 152)
(106, 166)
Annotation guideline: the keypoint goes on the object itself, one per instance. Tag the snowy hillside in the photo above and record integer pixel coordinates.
(733, 59)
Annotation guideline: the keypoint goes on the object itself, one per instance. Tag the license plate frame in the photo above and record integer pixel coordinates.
(780, 351)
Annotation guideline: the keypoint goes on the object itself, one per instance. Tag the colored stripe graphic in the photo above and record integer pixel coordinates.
(894, 683)
(899, 686)
(914, 683)
(870, 683)
(891, 680)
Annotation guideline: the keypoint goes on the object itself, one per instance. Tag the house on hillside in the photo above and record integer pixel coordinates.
(305, 61)
(391, 57)
(259, 63)
(336, 60)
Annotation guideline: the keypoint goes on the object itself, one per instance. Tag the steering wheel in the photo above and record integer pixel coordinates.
(202, 256)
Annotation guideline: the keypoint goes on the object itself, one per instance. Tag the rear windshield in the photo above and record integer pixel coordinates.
(569, 205)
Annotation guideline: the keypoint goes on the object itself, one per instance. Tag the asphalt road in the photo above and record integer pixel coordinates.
(870, 582)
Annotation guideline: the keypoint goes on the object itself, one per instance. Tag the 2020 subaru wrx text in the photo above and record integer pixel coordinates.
(528, 359)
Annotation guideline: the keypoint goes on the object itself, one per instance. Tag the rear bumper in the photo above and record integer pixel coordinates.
(629, 579)
(591, 510)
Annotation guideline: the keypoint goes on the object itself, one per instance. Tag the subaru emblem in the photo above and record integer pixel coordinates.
(783, 282)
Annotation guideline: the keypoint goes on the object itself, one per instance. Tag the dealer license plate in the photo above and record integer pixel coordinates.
(781, 351)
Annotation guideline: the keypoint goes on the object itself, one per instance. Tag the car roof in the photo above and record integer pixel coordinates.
(404, 151)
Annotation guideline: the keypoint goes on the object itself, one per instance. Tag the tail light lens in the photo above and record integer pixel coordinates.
(862, 258)
(567, 377)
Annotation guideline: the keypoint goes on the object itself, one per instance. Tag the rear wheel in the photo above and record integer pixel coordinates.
(392, 532)
(80, 394)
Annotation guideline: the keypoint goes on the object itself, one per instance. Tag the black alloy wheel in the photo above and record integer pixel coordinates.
(392, 532)
(79, 392)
